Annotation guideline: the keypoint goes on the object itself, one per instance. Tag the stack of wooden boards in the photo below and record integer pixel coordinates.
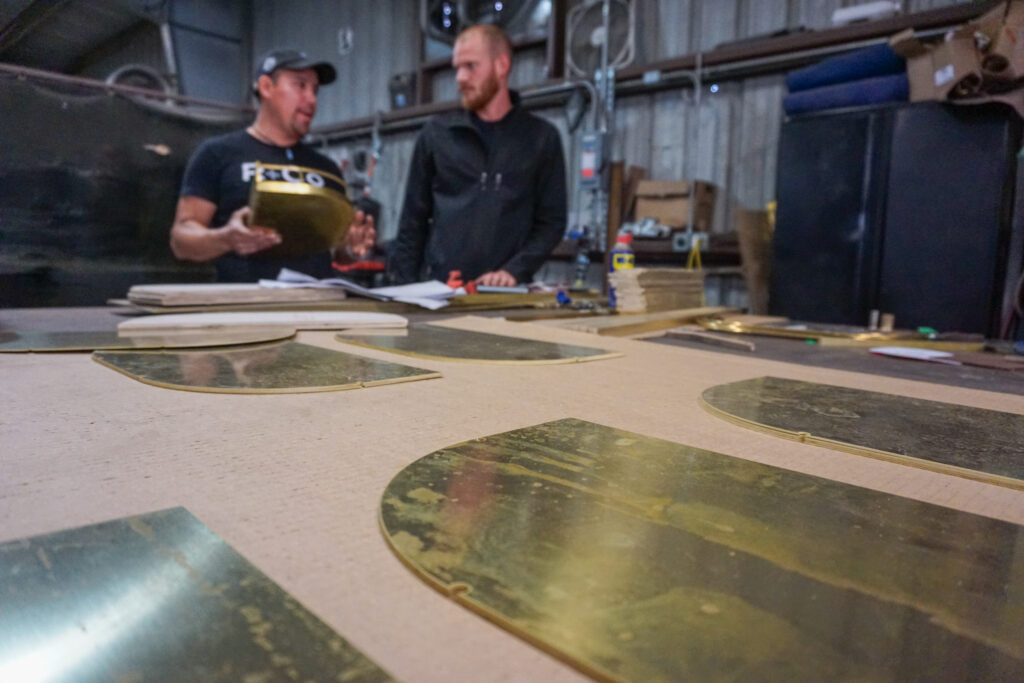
(640, 290)
(210, 297)
(226, 293)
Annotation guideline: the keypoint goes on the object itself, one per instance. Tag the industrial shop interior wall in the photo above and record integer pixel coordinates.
(730, 139)
(88, 186)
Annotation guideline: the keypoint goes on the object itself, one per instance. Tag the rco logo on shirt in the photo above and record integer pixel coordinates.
(288, 174)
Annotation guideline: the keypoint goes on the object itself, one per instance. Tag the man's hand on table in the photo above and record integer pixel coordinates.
(496, 278)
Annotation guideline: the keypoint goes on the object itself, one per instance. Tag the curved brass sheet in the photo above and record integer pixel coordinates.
(23, 342)
(152, 598)
(640, 559)
(447, 343)
(808, 332)
(309, 218)
(281, 368)
(986, 445)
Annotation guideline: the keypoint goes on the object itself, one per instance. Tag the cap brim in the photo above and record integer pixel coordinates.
(324, 70)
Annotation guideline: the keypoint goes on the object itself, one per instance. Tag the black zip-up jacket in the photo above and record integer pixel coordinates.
(477, 207)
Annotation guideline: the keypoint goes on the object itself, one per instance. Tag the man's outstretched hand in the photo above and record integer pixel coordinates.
(497, 278)
(243, 239)
(361, 235)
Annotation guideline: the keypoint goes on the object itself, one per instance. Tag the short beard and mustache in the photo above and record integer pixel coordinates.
(488, 89)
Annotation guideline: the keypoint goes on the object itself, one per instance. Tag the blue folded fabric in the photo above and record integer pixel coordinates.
(869, 62)
(868, 91)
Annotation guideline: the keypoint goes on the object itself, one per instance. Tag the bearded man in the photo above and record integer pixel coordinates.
(486, 193)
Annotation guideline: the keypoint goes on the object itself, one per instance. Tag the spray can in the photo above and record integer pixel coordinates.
(622, 257)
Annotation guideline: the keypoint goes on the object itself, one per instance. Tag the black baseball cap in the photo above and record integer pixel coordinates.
(294, 60)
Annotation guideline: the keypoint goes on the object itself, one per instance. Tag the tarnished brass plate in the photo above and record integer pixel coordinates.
(986, 445)
(281, 368)
(808, 331)
(446, 343)
(309, 208)
(38, 342)
(645, 560)
(157, 597)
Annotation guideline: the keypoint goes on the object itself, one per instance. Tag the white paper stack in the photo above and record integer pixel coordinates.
(431, 294)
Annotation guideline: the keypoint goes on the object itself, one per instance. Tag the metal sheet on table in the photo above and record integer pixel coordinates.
(38, 342)
(981, 444)
(284, 367)
(641, 559)
(157, 597)
(447, 343)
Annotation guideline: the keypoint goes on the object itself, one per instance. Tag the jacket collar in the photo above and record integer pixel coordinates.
(461, 118)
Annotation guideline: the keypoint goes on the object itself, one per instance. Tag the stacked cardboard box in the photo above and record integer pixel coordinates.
(668, 201)
(639, 290)
(979, 61)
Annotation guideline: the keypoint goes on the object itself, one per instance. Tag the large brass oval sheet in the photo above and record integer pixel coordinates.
(39, 342)
(157, 597)
(286, 367)
(640, 559)
(987, 445)
(448, 343)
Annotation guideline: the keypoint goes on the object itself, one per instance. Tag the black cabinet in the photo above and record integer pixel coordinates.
(906, 209)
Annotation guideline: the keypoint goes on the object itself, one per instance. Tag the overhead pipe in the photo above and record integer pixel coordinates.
(116, 88)
(539, 97)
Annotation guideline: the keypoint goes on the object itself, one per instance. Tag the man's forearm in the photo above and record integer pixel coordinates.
(192, 241)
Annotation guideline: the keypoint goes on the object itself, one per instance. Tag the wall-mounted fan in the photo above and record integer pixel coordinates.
(585, 34)
(444, 19)
(140, 76)
(440, 20)
(515, 16)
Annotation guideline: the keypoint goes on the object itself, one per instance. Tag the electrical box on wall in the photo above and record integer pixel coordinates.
(591, 160)
(402, 90)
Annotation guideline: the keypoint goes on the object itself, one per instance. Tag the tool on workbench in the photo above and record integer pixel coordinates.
(455, 279)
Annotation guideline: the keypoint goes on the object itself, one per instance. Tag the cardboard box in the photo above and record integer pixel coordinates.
(668, 201)
(755, 233)
(948, 70)
(919, 64)
(1003, 26)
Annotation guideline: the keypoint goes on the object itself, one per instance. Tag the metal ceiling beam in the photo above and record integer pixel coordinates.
(26, 21)
(107, 47)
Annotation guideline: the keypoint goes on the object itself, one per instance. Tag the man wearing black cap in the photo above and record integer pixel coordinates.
(211, 223)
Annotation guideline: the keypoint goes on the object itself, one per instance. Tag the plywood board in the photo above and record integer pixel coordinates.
(694, 334)
(640, 559)
(303, 320)
(39, 342)
(987, 445)
(350, 304)
(446, 343)
(281, 368)
(622, 325)
(293, 481)
(157, 596)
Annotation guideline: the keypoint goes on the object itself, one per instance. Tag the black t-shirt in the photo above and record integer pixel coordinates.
(221, 171)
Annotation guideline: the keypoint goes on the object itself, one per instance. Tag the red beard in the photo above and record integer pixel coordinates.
(477, 100)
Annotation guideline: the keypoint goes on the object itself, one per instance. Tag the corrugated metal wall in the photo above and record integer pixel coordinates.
(731, 141)
(384, 42)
